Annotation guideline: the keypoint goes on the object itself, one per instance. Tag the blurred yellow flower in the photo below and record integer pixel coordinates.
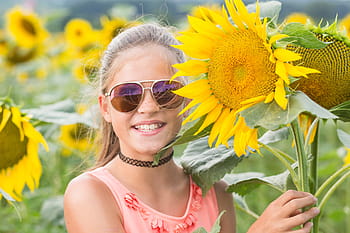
(298, 18)
(347, 157)
(79, 33)
(112, 27)
(25, 27)
(19, 161)
(345, 24)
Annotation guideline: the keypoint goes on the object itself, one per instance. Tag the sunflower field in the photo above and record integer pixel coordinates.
(284, 123)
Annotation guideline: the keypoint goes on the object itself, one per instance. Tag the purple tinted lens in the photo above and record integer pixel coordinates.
(126, 97)
(163, 94)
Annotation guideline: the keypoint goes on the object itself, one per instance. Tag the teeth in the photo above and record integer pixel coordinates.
(148, 127)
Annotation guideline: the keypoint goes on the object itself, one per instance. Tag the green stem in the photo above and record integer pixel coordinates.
(314, 163)
(286, 164)
(301, 156)
(332, 189)
(314, 166)
(247, 211)
(330, 180)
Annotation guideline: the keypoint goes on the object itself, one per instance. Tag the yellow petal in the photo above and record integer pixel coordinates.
(280, 94)
(210, 118)
(253, 100)
(205, 107)
(277, 37)
(299, 71)
(217, 126)
(234, 16)
(226, 128)
(5, 117)
(201, 86)
(285, 55)
(269, 97)
(282, 72)
(33, 134)
(193, 52)
(16, 119)
(205, 28)
(192, 67)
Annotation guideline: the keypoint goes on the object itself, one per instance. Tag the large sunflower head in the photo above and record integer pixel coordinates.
(25, 27)
(19, 161)
(79, 33)
(330, 87)
(238, 66)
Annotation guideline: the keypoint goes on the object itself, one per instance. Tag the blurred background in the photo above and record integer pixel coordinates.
(55, 68)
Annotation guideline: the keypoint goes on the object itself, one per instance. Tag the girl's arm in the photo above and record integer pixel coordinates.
(89, 207)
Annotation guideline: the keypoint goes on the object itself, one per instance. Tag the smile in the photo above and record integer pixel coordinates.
(149, 127)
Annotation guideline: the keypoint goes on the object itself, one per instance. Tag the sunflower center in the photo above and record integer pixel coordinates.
(28, 26)
(79, 132)
(13, 150)
(240, 69)
(78, 32)
(330, 87)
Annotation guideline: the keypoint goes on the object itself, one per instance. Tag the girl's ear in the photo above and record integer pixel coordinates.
(104, 108)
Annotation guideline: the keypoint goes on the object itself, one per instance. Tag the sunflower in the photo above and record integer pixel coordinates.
(298, 18)
(87, 68)
(19, 161)
(330, 87)
(238, 66)
(112, 27)
(25, 27)
(76, 136)
(345, 24)
(201, 12)
(79, 33)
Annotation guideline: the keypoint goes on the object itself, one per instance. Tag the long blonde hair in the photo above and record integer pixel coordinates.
(130, 38)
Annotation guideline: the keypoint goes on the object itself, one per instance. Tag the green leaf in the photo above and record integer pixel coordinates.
(344, 137)
(200, 230)
(185, 137)
(241, 204)
(208, 165)
(244, 183)
(301, 36)
(216, 227)
(273, 136)
(60, 113)
(6, 195)
(271, 116)
(342, 111)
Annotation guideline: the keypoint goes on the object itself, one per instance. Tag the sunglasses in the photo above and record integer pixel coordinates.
(126, 97)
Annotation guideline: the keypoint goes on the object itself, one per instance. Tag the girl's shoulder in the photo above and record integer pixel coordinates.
(84, 195)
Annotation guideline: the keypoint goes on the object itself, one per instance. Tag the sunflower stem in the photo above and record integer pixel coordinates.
(314, 168)
(301, 156)
(286, 164)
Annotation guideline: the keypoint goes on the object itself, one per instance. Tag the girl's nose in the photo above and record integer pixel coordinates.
(148, 104)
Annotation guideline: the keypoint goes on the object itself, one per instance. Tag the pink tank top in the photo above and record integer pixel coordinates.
(140, 218)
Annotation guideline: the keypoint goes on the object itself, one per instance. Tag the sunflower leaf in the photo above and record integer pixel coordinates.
(241, 204)
(244, 183)
(208, 165)
(61, 113)
(271, 116)
(342, 111)
(344, 137)
(301, 36)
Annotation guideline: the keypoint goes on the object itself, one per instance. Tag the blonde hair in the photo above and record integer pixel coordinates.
(136, 36)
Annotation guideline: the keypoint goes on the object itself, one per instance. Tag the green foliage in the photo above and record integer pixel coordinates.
(216, 227)
(271, 116)
(301, 36)
(342, 111)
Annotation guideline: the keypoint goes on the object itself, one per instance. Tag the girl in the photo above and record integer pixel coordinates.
(125, 192)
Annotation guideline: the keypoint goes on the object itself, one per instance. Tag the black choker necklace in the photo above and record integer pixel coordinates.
(140, 163)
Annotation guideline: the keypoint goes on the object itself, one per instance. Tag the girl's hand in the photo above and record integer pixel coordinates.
(285, 213)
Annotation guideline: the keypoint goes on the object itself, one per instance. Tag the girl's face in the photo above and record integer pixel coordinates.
(145, 130)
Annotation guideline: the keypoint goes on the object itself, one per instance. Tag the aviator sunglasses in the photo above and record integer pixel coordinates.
(126, 97)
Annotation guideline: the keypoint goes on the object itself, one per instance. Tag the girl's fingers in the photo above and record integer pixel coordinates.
(290, 195)
(304, 217)
(306, 229)
(299, 203)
